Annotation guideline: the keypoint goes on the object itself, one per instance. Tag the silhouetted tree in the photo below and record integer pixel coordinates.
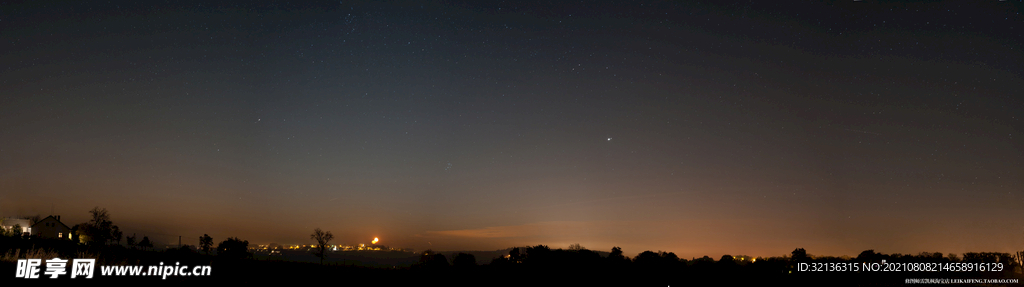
(101, 225)
(647, 259)
(145, 243)
(464, 260)
(799, 255)
(669, 257)
(616, 253)
(867, 256)
(74, 233)
(321, 238)
(575, 247)
(539, 254)
(930, 256)
(726, 265)
(432, 260)
(953, 257)
(131, 241)
(703, 264)
(616, 258)
(233, 248)
(16, 230)
(727, 259)
(515, 256)
(35, 218)
(116, 234)
(206, 243)
(99, 229)
(657, 268)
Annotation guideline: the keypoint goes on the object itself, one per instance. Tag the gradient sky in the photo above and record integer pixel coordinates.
(701, 129)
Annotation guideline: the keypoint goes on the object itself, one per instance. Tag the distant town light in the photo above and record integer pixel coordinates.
(374, 240)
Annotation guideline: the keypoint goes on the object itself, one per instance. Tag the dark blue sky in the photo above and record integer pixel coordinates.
(702, 129)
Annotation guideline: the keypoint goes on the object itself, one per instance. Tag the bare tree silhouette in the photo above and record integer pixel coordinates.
(321, 237)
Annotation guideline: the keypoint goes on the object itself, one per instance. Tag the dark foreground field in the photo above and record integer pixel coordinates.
(532, 266)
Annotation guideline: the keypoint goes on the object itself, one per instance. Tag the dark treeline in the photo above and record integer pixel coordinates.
(233, 263)
(575, 266)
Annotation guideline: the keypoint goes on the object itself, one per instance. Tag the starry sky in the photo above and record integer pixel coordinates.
(702, 129)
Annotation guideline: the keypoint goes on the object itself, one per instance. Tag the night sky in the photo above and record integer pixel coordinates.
(701, 129)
